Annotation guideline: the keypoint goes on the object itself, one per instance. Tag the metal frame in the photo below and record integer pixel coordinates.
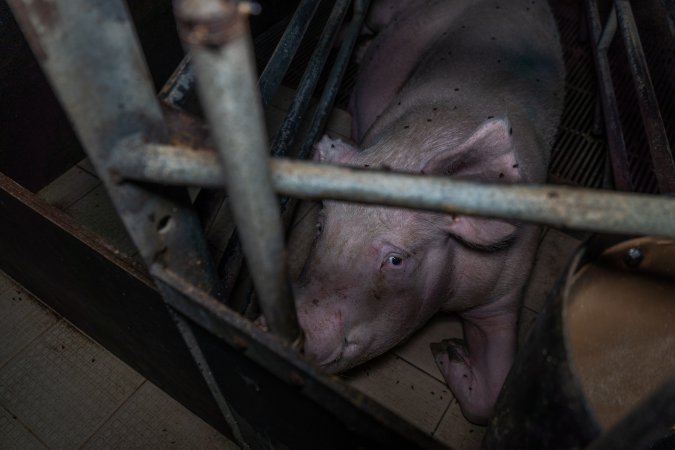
(108, 96)
(621, 17)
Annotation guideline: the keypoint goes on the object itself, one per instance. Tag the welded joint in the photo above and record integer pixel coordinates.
(212, 23)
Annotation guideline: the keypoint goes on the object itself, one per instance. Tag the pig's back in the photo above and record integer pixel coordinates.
(477, 58)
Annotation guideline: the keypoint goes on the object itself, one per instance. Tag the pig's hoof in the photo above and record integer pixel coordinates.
(452, 359)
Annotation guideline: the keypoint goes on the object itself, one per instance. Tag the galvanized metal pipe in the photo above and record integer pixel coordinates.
(217, 36)
(610, 109)
(662, 156)
(574, 208)
(289, 128)
(92, 58)
(278, 64)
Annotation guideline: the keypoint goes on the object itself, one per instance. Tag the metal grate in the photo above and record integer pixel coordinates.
(578, 156)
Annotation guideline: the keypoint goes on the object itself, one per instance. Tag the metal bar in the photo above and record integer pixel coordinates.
(106, 91)
(193, 345)
(179, 84)
(372, 425)
(288, 131)
(278, 64)
(662, 156)
(574, 208)
(609, 31)
(217, 35)
(615, 140)
(646, 423)
(330, 90)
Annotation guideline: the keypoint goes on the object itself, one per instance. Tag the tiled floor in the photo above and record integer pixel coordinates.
(60, 390)
(405, 380)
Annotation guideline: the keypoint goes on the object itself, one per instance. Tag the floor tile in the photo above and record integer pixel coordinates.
(64, 386)
(68, 188)
(404, 389)
(96, 212)
(416, 349)
(22, 319)
(14, 435)
(459, 433)
(152, 419)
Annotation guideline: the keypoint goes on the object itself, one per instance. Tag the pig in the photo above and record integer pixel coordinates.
(467, 89)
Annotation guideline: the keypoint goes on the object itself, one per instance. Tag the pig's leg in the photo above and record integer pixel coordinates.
(475, 368)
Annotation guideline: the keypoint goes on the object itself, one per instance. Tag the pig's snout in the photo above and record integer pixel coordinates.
(323, 323)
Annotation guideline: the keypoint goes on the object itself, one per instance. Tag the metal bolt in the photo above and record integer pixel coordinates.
(633, 256)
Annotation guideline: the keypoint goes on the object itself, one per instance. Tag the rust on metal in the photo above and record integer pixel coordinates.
(209, 24)
(185, 130)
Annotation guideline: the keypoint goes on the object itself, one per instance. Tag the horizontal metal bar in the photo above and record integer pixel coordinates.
(216, 33)
(574, 208)
(278, 64)
(289, 128)
(662, 156)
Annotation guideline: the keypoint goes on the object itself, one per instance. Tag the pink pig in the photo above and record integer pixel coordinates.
(468, 89)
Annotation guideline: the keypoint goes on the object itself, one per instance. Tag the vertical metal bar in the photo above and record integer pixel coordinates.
(288, 131)
(320, 116)
(92, 59)
(217, 35)
(615, 141)
(338, 68)
(662, 157)
(278, 64)
(609, 31)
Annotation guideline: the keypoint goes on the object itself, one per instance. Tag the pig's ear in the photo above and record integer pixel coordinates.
(334, 151)
(488, 154)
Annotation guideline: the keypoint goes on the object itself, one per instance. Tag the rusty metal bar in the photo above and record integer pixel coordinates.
(574, 208)
(615, 140)
(289, 128)
(216, 34)
(662, 156)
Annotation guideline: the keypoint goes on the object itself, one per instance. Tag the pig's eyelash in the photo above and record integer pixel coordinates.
(488, 248)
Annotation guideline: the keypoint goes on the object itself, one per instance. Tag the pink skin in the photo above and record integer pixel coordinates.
(376, 274)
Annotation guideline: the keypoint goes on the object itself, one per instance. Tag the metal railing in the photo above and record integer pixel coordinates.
(108, 96)
(621, 17)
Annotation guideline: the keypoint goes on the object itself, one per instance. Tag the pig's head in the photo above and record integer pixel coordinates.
(375, 274)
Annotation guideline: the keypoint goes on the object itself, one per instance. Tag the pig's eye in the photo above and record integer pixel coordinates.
(394, 261)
